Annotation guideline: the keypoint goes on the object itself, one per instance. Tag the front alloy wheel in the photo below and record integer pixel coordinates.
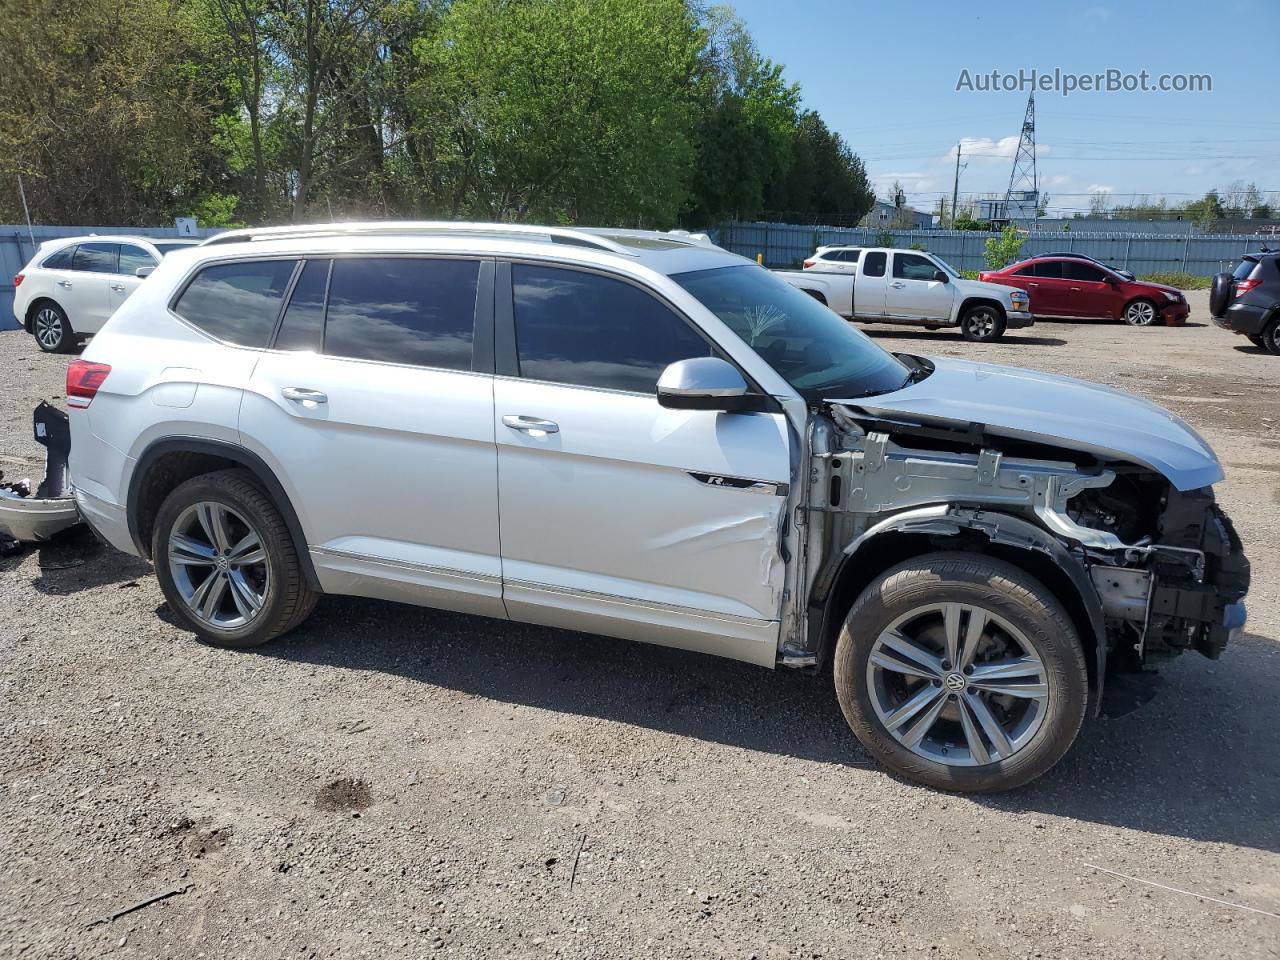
(1140, 313)
(982, 324)
(962, 672)
(956, 684)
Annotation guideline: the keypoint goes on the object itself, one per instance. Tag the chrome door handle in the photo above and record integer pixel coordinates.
(118, 287)
(1033, 284)
(65, 283)
(530, 424)
(304, 395)
(897, 285)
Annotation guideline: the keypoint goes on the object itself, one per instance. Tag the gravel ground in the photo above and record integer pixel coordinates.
(397, 782)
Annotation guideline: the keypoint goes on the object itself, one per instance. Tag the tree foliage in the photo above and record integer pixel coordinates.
(627, 112)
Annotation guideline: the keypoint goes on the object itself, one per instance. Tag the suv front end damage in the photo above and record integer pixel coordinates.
(1146, 569)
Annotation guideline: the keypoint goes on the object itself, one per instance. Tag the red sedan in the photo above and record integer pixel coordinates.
(1064, 287)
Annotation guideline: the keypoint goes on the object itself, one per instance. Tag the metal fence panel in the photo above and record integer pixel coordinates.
(786, 245)
(16, 250)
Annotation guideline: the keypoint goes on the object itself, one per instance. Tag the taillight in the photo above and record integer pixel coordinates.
(808, 264)
(1244, 286)
(17, 281)
(83, 380)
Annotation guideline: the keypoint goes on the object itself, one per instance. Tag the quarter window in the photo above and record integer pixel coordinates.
(303, 324)
(403, 310)
(60, 260)
(873, 264)
(593, 331)
(131, 258)
(96, 257)
(237, 302)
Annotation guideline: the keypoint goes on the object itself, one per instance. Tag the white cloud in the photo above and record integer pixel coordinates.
(1098, 14)
(1099, 188)
(1058, 180)
(986, 149)
(912, 182)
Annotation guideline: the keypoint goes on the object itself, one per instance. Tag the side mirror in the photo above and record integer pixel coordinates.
(144, 271)
(941, 276)
(702, 383)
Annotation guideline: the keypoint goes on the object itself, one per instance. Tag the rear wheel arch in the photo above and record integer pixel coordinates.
(171, 461)
(34, 306)
(1036, 552)
(820, 297)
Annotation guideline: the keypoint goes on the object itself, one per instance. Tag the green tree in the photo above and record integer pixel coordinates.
(1002, 250)
(109, 110)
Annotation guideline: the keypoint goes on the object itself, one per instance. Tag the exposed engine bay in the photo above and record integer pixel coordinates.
(1156, 570)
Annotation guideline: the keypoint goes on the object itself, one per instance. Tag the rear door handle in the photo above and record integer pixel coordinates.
(304, 395)
(65, 283)
(118, 287)
(530, 424)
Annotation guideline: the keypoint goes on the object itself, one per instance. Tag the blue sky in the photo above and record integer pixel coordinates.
(884, 76)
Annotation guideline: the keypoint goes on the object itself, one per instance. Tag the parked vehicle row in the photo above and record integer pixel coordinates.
(648, 437)
(884, 285)
(1057, 285)
(71, 286)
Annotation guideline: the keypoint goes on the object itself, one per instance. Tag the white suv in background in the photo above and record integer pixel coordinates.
(645, 436)
(72, 286)
(835, 259)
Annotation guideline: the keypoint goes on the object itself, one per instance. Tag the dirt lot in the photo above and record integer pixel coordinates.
(396, 782)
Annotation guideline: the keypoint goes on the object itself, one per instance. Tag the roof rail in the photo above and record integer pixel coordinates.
(671, 236)
(420, 228)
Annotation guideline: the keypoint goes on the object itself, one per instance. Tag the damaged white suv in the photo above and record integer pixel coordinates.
(642, 435)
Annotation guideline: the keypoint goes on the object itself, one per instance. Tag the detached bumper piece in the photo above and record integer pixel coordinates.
(25, 515)
(1197, 601)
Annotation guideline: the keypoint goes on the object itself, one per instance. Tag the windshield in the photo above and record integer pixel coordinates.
(814, 350)
(945, 266)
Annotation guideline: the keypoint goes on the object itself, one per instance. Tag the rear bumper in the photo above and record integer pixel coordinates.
(1017, 319)
(1243, 318)
(38, 516)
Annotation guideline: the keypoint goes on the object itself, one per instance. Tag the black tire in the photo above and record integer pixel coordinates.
(1258, 341)
(1271, 338)
(1141, 313)
(286, 599)
(52, 329)
(1220, 294)
(982, 323)
(1000, 591)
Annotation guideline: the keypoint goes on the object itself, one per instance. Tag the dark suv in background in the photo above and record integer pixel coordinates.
(1247, 301)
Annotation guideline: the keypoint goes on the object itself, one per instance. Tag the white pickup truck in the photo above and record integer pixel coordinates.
(911, 286)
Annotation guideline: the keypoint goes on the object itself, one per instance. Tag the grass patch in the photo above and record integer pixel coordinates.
(1183, 281)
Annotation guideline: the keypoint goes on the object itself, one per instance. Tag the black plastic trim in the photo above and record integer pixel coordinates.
(506, 360)
(482, 358)
(237, 454)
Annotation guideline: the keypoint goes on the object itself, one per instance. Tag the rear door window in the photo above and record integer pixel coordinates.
(874, 263)
(303, 324)
(237, 302)
(1242, 271)
(413, 310)
(590, 330)
(96, 257)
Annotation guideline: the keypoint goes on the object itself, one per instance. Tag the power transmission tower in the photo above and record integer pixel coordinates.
(1022, 199)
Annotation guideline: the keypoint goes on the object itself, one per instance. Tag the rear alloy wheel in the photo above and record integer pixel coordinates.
(962, 672)
(52, 329)
(227, 563)
(982, 324)
(1140, 313)
(1271, 338)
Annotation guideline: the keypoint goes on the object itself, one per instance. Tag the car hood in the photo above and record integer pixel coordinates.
(1159, 286)
(999, 291)
(1046, 408)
